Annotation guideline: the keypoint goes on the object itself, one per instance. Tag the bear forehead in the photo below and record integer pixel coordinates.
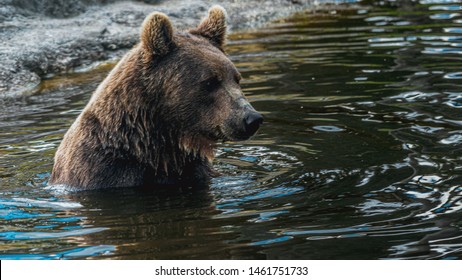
(187, 39)
(200, 50)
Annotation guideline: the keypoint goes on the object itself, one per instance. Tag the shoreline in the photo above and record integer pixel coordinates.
(38, 45)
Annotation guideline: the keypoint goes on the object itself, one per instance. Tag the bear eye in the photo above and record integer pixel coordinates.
(237, 78)
(211, 84)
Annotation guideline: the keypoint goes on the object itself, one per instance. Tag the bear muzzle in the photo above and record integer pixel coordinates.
(252, 122)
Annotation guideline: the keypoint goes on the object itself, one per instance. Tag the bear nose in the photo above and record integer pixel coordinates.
(252, 122)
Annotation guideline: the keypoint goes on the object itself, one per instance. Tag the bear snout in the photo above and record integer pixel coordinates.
(252, 122)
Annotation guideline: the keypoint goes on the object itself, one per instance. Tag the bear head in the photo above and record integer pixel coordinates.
(197, 85)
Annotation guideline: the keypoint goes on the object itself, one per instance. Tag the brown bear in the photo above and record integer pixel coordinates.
(158, 115)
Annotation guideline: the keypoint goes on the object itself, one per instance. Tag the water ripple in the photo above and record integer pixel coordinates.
(444, 16)
(446, 8)
(453, 76)
(80, 252)
(15, 235)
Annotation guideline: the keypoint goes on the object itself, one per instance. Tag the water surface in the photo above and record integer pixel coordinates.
(359, 157)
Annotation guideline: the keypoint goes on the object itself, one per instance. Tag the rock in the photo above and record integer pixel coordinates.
(44, 37)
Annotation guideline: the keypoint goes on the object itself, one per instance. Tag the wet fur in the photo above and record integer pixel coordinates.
(133, 130)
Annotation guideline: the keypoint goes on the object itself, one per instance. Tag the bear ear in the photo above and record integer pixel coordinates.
(157, 34)
(213, 27)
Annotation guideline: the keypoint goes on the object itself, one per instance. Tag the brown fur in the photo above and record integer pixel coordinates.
(157, 116)
(213, 27)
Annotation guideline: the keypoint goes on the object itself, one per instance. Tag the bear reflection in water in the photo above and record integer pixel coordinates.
(158, 115)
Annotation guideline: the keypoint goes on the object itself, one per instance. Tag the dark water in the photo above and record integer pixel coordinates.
(360, 156)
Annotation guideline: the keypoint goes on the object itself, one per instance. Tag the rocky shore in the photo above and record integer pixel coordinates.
(44, 37)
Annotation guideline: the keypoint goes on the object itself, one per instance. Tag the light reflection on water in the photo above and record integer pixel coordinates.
(361, 148)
